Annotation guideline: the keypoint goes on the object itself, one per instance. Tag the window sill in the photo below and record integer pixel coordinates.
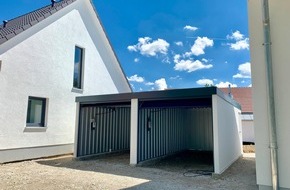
(77, 90)
(35, 129)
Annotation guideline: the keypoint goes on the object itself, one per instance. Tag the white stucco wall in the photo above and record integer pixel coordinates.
(227, 132)
(41, 65)
(280, 30)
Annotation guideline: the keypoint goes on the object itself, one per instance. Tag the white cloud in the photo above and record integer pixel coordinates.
(160, 84)
(132, 48)
(136, 60)
(179, 43)
(240, 45)
(148, 47)
(189, 65)
(177, 77)
(240, 41)
(250, 85)
(204, 60)
(133, 87)
(191, 28)
(236, 36)
(200, 44)
(244, 71)
(225, 85)
(149, 83)
(136, 78)
(166, 60)
(204, 82)
(187, 54)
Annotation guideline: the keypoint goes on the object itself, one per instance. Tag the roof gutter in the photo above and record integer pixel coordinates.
(271, 99)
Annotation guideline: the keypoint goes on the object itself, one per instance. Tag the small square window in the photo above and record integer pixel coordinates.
(36, 112)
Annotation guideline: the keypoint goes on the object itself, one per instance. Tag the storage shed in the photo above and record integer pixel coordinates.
(160, 123)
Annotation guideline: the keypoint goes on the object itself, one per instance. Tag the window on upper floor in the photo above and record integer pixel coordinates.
(36, 112)
(78, 67)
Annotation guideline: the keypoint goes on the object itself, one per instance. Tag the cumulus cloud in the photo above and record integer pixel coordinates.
(136, 78)
(204, 82)
(244, 71)
(147, 47)
(240, 45)
(179, 43)
(161, 84)
(236, 36)
(189, 65)
(225, 85)
(190, 28)
(200, 44)
(136, 60)
(240, 41)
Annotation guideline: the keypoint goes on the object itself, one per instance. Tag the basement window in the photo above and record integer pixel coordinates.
(36, 112)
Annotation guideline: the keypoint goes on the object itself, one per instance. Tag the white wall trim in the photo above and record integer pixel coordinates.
(18, 154)
(134, 132)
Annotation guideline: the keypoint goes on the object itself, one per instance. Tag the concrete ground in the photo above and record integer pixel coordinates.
(115, 173)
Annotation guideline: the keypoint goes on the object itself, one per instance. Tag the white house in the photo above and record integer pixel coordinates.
(269, 39)
(47, 58)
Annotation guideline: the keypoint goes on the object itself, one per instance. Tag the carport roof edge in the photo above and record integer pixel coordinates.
(170, 94)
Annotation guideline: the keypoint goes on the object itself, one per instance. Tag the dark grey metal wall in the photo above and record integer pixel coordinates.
(200, 129)
(161, 131)
(103, 129)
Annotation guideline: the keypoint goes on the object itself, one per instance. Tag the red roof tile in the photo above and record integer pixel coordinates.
(243, 96)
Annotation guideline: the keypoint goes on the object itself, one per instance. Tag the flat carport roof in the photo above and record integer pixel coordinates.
(170, 97)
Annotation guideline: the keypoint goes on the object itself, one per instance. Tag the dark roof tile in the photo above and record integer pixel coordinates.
(19, 24)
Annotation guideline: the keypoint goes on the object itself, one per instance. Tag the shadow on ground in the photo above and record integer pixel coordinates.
(175, 172)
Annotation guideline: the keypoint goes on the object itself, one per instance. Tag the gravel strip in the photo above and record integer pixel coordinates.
(115, 173)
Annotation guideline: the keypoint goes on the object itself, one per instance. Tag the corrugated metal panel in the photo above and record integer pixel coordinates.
(200, 129)
(103, 129)
(161, 131)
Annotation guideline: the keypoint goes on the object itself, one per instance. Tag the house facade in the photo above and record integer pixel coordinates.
(47, 58)
(243, 95)
(269, 40)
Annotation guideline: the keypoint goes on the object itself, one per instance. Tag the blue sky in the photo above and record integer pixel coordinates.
(171, 43)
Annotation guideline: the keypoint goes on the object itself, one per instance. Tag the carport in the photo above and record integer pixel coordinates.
(160, 123)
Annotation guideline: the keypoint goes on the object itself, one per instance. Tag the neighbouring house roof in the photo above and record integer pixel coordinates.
(19, 24)
(243, 96)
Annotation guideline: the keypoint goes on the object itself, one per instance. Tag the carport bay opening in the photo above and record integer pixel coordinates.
(166, 124)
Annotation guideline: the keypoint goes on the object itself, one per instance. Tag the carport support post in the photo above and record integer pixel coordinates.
(134, 131)
(76, 129)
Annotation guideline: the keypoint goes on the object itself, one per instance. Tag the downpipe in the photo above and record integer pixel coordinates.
(271, 100)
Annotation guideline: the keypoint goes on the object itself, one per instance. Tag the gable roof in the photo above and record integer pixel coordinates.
(17, 25)
(242, 96)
